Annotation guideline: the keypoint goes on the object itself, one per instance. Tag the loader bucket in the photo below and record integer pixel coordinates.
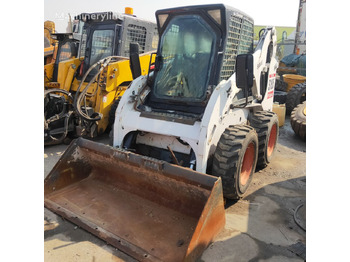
(150, 209)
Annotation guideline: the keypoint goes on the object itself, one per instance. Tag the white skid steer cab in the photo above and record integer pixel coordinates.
(208, 104)
(184, 136)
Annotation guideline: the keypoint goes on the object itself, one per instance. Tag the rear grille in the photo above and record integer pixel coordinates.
(239, 41)
(135, 34)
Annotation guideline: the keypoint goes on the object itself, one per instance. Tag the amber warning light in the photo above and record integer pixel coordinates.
(129, 11)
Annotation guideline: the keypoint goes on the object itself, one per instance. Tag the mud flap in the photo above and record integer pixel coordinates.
(150, 209)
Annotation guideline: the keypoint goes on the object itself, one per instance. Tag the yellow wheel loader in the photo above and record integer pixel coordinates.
(184, 136)
(53, 42)
(80, 92)
(49, 43)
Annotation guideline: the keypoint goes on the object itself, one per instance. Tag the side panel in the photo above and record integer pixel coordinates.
(218, 116)
(48, 72)
(63, 69)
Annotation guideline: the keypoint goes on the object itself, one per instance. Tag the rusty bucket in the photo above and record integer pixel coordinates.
(150, 209)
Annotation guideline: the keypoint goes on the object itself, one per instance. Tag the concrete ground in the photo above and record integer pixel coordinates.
(266, 225)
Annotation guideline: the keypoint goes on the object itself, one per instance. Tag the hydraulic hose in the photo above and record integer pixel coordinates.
(83, 80)
(78, 98)
(261, 32)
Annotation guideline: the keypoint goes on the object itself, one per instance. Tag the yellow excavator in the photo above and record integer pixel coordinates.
(185, 135)
(85, 83)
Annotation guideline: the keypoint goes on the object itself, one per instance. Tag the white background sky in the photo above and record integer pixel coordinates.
(264, 12)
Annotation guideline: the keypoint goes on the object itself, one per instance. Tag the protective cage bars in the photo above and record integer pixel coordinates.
(136, 34)
(239, 41)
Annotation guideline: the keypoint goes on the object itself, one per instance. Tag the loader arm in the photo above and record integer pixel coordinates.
(265, 66)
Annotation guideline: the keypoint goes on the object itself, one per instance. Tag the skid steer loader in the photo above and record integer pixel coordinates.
(80, 92)
(186, 134)
(208, 105)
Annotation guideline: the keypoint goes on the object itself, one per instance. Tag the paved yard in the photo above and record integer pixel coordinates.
(260, 227)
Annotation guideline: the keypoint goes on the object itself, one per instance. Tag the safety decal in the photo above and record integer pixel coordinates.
(270, 94)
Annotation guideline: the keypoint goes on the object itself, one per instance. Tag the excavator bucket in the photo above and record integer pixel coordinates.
(150, 209)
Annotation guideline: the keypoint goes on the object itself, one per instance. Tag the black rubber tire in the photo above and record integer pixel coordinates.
(280, 97)
(110, 137)
(111, 114)
(263, 122)
(67, 140)
(295, 96)
(298, 120)
(280, 85)
(228, 159)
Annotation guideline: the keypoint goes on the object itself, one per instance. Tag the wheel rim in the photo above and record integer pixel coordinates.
(247, 164)
(272, 140)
